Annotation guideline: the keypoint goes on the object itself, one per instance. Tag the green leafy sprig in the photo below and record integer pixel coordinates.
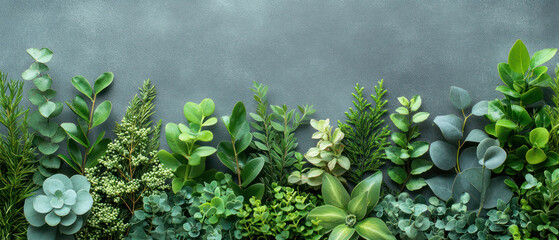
(365, 133)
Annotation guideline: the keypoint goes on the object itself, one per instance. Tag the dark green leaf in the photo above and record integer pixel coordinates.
(79, 107)
(251, 170)
(497, 190)
(75, 133)
(532, 96)
(237, 119)
(420, 166)
(508, 92)
(101, 113)
(98, 151)
(419, 148)
(397, 174)
(443, 155)
(372, 185)
(82, 85)
(103, 81)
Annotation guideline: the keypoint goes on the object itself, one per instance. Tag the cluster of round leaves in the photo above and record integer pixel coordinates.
(434, 219)
(50, 134)
(406, 155)
(326, 156)
(59, 208)
(283, 217)
(203, 211)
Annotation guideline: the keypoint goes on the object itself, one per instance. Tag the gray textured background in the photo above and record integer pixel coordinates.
(306, 51)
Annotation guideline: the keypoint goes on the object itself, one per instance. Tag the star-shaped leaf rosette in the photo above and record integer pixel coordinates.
(58, 210)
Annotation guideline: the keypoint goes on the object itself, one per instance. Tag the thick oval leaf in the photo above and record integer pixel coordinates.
(460, 98)
(75, 133)
(374, 229)
(532, 96)
(251, 170)
(450, 126)
(505, 74)
(193, 113)
(82, 85)
(397, 174)
(480, 108)
(204, 151)
(168, 160)
(443, 155)
(79, 107)
(484, 145)
(341, 232)
(497, 190)
(535, 156)
(415, 184)
(356, 204)
(441, 186)
(419, 166)
(255, 190)
(503, 128)
(415, 103)
(237, 120)
(103, 81)
(47, 108)
(519, 58)
(539, 137)
(419, 148)
(400, 121)
(542, 56)
(329, 217)
(207, 106)
(42, 55)
(508, 92)
(372, 185)
(494, 157)
(172, 133)
(101, 113)
(334, 192)
(520, 115)
(420, 117)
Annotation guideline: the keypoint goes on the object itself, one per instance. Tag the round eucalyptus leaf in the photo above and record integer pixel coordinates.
(472, 181)
(494, 157)
(484, 145)
(476, 135)
(47, 108)
(48, 148)
(43, 83)
(42, 55)
(33, 217)
(443, 155)
(497, 190)
(468, 159)
(480, 108)
(30, 73)
(450, 126)
(50, 162)
(441, 185)
(460, 98)
(420, 166)
(539, 137)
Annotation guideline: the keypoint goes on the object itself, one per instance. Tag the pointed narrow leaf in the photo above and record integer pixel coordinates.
(328, 216)
(334, 192)
(372, 185)
(237, 119)
(75, 133)
(82, 85)
(540, 57)
(373, 229)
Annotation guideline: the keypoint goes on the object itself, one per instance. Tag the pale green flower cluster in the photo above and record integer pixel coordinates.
(129, 170)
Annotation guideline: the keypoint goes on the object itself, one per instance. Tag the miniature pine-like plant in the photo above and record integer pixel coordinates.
(365, 133)
(17, 161)
(129, 171)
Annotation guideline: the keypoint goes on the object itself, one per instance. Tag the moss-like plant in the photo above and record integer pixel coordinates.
(275, 138)
(88, 155)
(284, 217)
(204, 211)
(234, 155)
(473, 165)
(188, 159)
(365, 133)
(59, 209)
(129, 170)
(49, 133)
(406, 155)
(343, 215)
(513, 118)
(17, 160)
(326, 156)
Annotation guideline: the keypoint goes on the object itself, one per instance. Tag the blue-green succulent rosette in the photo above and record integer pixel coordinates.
(59, 209)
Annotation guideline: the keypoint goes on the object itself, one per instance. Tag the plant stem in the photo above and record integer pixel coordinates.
(237, 162)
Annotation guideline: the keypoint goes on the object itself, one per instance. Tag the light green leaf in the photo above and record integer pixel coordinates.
(341, 232)
(328, 216)
(334, 192)
(542, 56)
(420, 166)
(356, 204)
(43, 83)
(193, 113)
(82, 85)
(415, 103)
(539, 137)
(103, 81)
(535, 156)
(211, 121)
(42, 55)
(415, 184)
(373, 229)
(400, 121)
(397, 174)
(519, 58)
(47, 108)
(420, 117)
(207, 106)
(168, 160)
(371, 185)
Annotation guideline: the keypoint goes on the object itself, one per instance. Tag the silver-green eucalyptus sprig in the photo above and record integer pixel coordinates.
(88, 117)
(50, 134)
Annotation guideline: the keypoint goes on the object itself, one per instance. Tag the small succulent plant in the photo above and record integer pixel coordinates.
(59, 208)
(326, 156)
